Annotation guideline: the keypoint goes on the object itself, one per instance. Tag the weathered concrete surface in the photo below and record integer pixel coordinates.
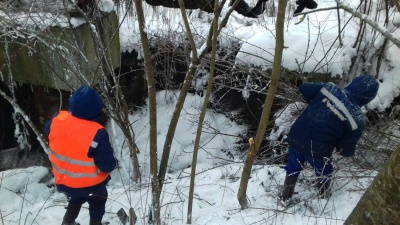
(380, 203)
(61, 57)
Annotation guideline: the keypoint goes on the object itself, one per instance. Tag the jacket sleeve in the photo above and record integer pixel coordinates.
(47, 125)
(103, 153)
(347, 145)
(310, 90)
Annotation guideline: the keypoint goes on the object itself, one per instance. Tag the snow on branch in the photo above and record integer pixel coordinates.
(385, 32)
(18, 109)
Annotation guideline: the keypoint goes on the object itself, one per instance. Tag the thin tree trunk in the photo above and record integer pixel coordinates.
(276, 74)
(117, 109)
(381, 55)
(203, 111)
(181, 99)
(153, 114)
(185, 87)
(385, 42)
(380, 203)
(339, 29)
(246, 174)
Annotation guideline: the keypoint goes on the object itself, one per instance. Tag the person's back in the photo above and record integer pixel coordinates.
(81, 155)
(325, 121)
(332, 120)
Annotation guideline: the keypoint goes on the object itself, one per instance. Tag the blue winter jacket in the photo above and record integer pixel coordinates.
(333, 117)
(86, 103)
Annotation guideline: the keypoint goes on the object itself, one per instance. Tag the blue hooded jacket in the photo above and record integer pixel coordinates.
(86, 103)
(333, 118)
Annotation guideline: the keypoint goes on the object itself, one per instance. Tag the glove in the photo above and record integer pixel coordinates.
(309, 4)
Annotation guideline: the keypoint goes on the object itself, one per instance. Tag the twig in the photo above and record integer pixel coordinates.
(198, 198)
(396, 3)
(43, 206)
(217, 166)
(169, 203)
(23, 200)
(313, 11)
(2, 219)
(382, 30)
(223, 134)
(339, 29)
(26, 218)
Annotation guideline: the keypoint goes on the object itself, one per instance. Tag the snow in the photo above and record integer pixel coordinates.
(215, 199)
(213, 145)
(43, 14)
(28, 196)
(310, 46)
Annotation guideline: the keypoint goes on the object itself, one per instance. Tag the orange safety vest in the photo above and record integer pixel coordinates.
(69, 140)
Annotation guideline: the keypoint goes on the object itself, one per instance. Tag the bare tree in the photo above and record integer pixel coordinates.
(155, 211)
(276, 73)
(204, 109)
(196, 60)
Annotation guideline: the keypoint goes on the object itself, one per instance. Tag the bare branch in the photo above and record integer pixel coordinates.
(313, 11)
(385, 32)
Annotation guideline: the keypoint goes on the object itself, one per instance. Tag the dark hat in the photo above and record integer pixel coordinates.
(85, 103)
(363, 89)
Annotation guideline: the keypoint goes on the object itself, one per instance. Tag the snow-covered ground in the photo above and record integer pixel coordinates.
(25, 200)
(28, 197)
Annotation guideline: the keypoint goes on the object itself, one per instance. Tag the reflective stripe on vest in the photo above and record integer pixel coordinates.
(341, 106)
(71, 174)
(70, 139)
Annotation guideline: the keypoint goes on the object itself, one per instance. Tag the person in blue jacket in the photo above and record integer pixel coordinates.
(85, 104)
(332, 120)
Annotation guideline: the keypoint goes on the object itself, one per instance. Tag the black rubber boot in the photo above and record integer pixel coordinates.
(288, 188)
(95, 221)
(324, 188)
(71, 214)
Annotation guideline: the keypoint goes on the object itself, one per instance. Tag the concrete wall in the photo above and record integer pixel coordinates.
(62, 57)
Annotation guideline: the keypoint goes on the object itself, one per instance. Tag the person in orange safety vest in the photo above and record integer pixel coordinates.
(81, 155)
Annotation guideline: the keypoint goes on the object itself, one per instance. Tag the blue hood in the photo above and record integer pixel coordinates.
(85, 103)
(363, 89)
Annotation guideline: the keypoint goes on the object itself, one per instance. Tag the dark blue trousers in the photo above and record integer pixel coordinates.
(96, 196)
(322, 167)
(96, 201)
